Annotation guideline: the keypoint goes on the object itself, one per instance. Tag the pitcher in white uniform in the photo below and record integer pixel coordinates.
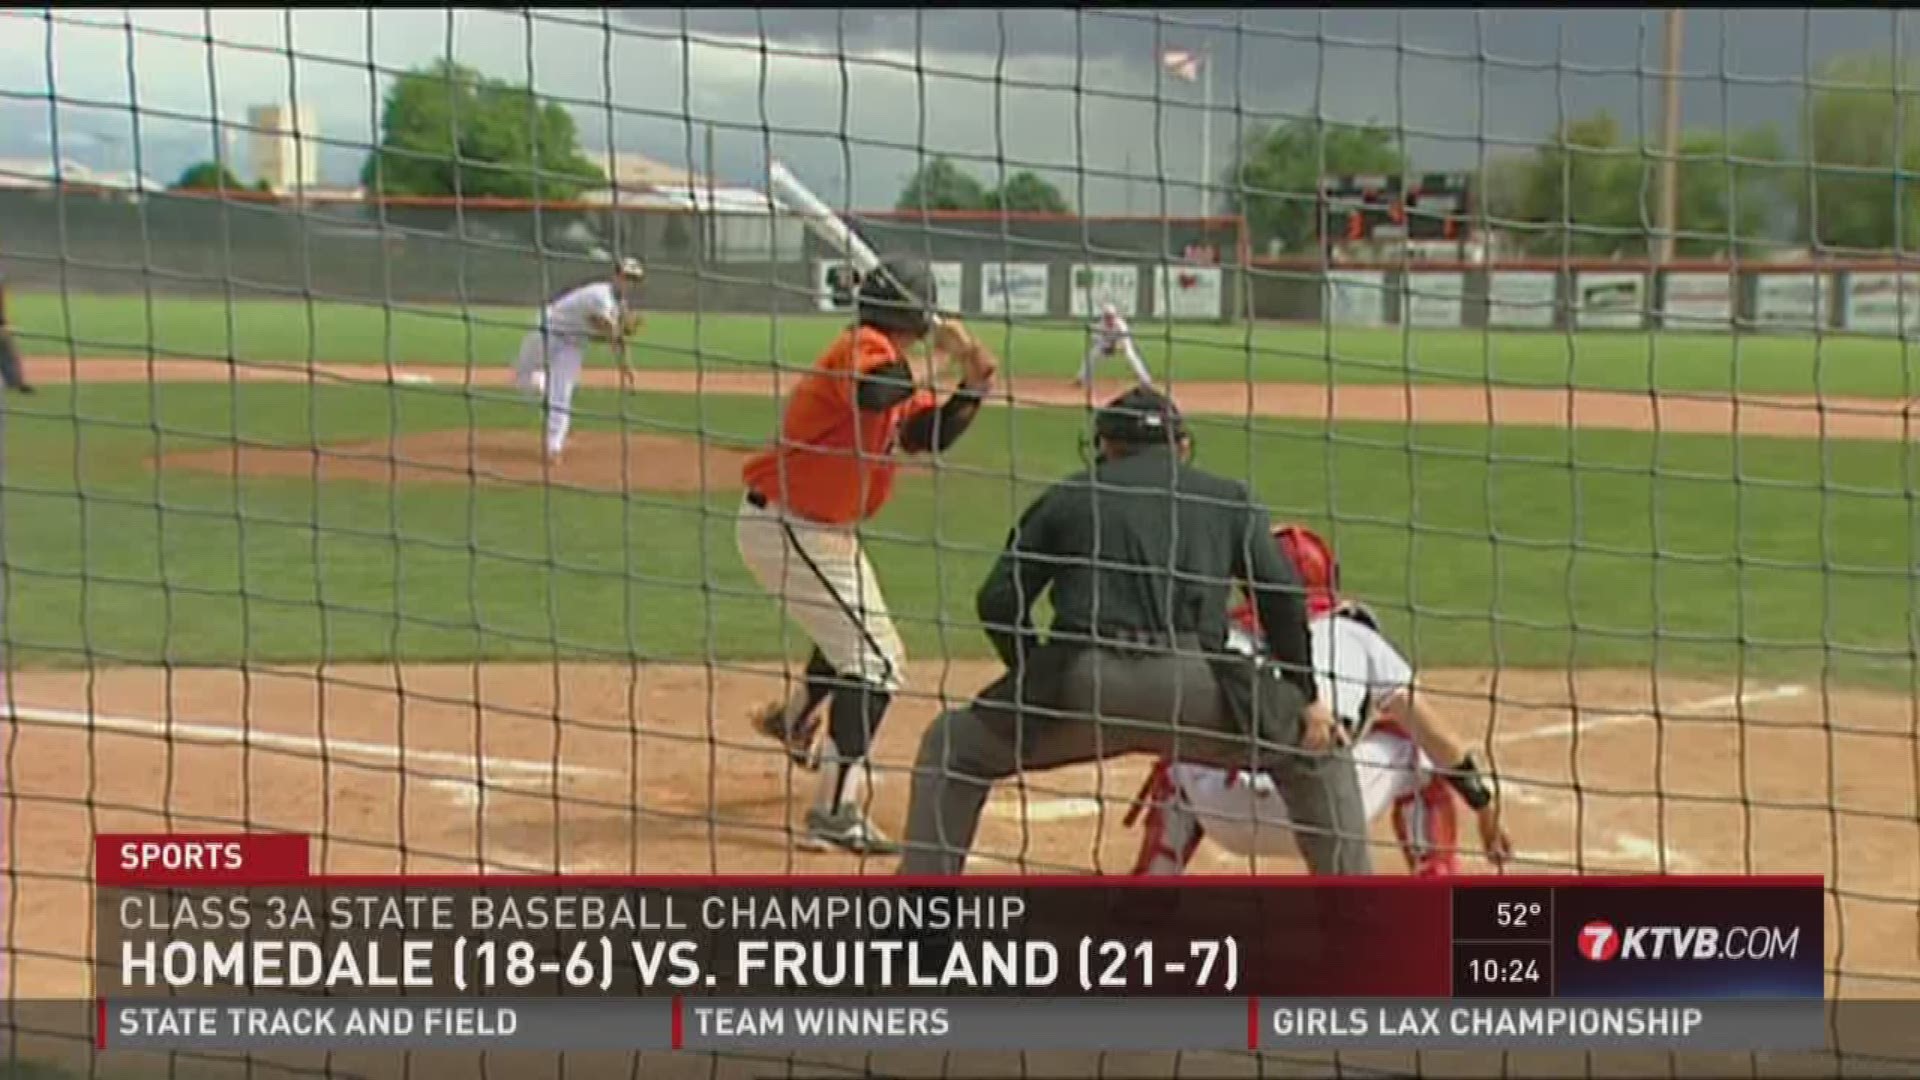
(552, 355)
(1111, 335)
(1396, 738)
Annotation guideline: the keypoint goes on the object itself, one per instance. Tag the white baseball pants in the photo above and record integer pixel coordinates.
(1100, 349)
(821, 576)
(549, 368)
(1247, 816)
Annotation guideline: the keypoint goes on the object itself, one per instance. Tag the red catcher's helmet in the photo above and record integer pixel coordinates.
(1314, 564)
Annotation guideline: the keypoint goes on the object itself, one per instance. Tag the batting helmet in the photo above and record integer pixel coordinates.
(1141, 416)
(1314, 564)
(899, 296)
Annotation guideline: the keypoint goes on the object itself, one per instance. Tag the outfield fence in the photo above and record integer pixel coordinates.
(1019, 266)
(445, 251)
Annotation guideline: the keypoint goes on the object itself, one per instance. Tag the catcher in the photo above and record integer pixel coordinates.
(1396, 737)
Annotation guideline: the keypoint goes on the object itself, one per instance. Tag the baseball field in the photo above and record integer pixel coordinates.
(291, 566)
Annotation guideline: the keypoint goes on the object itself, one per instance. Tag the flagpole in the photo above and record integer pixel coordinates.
(1206, 125)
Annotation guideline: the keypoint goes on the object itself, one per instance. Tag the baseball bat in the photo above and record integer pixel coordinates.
(820, 220)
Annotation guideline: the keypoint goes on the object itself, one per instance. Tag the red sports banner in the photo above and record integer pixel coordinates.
(199, 859)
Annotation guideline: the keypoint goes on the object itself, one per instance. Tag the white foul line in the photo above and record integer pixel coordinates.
(1627, 846)
(219, 735)
(1078, 807)
(1073, 806)
(1724, 701)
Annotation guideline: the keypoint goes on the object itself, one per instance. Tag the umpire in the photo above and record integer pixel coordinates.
(1141, 552)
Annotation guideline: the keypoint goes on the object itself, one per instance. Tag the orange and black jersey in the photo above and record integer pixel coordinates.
(833, 459)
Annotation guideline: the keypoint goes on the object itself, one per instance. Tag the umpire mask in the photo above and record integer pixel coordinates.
(1141, 417)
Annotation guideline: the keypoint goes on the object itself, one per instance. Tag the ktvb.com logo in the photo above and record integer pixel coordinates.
(1601, 941)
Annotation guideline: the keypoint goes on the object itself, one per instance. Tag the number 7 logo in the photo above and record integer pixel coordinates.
(1599, 941)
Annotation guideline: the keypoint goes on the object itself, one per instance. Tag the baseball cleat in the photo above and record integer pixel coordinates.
(848, 830)
(801, 746)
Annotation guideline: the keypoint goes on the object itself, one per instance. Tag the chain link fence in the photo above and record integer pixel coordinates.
(480, 252)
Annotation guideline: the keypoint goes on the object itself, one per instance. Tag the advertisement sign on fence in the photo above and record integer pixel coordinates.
(1433, 298)
(1187, 292)
(1110, 283)
(1013, 288)
(1697, 301)
(1790, 301)
(1356, 297)
(1610, 300)
(948, 281)
(1881, 303)
(834, 282)
(1521, 298)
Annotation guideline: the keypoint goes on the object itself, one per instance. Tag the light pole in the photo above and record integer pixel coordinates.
(1670, 138)
(1206, 128)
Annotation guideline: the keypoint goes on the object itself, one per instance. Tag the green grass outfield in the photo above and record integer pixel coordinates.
(275, 331)
(1516, 546)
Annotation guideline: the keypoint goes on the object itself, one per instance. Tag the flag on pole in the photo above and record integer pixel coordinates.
(1183, 64)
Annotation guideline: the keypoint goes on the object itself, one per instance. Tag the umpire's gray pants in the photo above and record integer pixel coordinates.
(1108, 703)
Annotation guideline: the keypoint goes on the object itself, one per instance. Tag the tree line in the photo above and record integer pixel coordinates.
(1590, 191)
(1587, 191)
(446, 129)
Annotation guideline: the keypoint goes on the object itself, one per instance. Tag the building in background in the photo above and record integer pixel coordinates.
(734, 222)
(282, 147)
(630, 171)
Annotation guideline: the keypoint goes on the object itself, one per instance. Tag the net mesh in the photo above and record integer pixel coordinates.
(283, 551)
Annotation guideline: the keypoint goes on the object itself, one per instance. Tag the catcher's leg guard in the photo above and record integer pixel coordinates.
(1427, 824)
(1170, 832)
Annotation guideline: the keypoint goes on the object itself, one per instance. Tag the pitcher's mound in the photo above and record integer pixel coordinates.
(593, 459)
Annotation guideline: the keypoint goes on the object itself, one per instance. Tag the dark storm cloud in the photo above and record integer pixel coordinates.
(1742, 66)
(1074, 92)
(973, 32)
(1459, 86)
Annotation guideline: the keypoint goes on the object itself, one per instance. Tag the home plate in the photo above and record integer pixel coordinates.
(1045, 809)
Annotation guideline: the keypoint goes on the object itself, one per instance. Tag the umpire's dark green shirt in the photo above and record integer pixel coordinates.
(1144, 543)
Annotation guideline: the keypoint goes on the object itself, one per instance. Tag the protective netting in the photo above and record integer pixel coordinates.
(1601, 402)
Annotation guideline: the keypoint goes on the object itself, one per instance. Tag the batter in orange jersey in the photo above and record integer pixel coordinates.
(830, 468)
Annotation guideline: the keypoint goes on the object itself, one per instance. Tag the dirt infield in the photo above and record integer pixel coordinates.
(594, 459)
(1791, 417)
(610, 769)
(620, 769)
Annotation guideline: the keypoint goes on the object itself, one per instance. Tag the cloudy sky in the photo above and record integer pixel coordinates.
(854, 99)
